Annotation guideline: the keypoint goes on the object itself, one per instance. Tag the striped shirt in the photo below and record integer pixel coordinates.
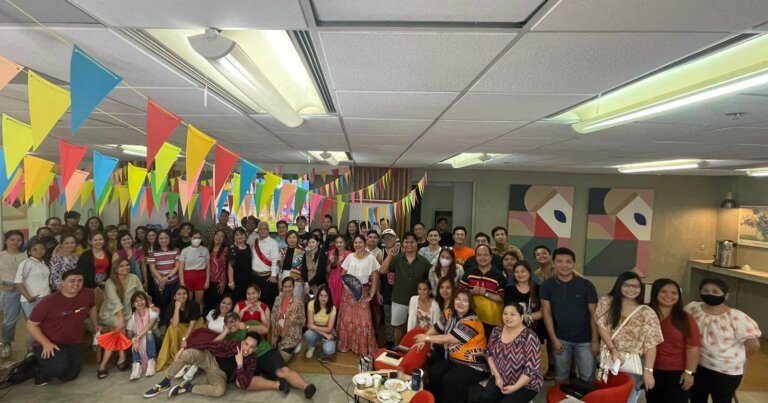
(165, 262)
(493, 281)
(519, 357)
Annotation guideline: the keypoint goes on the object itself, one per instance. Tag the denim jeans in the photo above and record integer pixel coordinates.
(27, 308)
(313, 337)
(585, 361)
(10, 303)
(151, 349)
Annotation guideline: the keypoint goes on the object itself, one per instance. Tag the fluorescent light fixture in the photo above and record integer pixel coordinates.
(331, 157)
(670, 165)
(130, 149)
(758, 172)
(230, 59)
(733, 70)
(468, 159)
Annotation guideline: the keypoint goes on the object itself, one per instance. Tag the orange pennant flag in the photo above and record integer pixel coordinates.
(73, 187)
(36, 170)
(8, 71)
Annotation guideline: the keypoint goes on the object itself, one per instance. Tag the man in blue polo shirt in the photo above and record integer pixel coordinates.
(568, 303)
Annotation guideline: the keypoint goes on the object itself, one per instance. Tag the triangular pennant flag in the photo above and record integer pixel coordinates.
(115, 195)
(259, 189)
(140, 206)
(222, 167)
(47, 103)
(206, 192)
(236, 192)
(70, 156)
(248, 173)
(286, 193)
(270, 184)
(5, 179)
(184, 196)
(173, 201)
(192, 205)
(103, 199)
(40, 189)
(36, 170)
(298, 201)
(164, 159)
(89, 83)
(275, 200)
(8, 70)
(85, 192)
(339, 209)
(17, 140)
(160, 126)
(314, 202)
(222, 198)
(16, 187)
(323, 174)
(248, 204)
(325, 207)
(103, 166)
(136, 177)
(123, 198)
(73, 188)
(158, 187)
(198, 145)
(150, 200)
(54, 190)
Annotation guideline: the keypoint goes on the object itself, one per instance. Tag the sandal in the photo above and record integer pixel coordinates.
(102, 373)
(123, 365)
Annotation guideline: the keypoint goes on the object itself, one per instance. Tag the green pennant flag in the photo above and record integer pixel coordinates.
(298, 201)
(157, 188)
(101, 202)
(257, 196)
(172, 198)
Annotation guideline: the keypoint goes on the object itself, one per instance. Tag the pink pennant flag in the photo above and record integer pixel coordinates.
(13, 194)
(72, 189)
(286, 193)
(184, 195)
(314, 201)
(143, 202)
(248, 203)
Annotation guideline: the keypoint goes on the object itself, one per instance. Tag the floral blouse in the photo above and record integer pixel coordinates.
(292, 319)
(60, 264)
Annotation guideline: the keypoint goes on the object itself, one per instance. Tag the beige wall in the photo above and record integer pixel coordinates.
(747, 191)
(684, 216)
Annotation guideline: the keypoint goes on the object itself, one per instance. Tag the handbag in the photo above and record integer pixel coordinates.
(632, 364)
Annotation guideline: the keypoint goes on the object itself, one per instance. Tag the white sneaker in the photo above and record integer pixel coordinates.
(310, 352)
(136, 371)
(5, 351)
(190, 373)
(150, 368)
(182, 371)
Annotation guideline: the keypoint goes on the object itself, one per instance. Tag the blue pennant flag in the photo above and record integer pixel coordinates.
(102, 169)
(62, 194)
(135, 208)
(89, 83)
(5, 179)
(248, 173)
(222, 199)
(276, 201)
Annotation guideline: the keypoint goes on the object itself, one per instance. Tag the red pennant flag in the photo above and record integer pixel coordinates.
(70, 156)
(222, 167)
(205, 199)
(326, 205)
(150, 200)
(160, 126)
(314, 203)
(53, 191)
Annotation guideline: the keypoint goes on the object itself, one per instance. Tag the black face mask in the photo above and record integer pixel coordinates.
(332, 238)
(713, 300)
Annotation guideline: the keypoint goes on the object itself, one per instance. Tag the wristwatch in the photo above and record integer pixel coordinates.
(485, 294)
(689, 372)
(650, 370)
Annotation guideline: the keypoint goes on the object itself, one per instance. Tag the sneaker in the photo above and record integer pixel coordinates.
(182, 371)
(310, 352)
(283, 386)
(150, 368)
(185, 387)
(5, 350)
(190, 373)
(136, 371)
(309, 391)
(159, 388)
(42, 381)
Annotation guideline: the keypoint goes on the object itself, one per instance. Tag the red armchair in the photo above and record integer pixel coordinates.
(423, 397)
(412, 359)
(617, 389)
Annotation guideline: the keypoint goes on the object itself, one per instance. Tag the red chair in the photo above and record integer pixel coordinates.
(423, 397)
(617, 389)
(412, 359)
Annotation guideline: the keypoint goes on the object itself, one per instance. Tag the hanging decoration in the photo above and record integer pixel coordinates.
(160, 126)
(89, 83)
(17, 141)
(70, 157)
(47, 104)
(8, 70)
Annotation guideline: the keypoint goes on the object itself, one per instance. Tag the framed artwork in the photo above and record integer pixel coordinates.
(753, 226)
(618, 231)
(539, 215)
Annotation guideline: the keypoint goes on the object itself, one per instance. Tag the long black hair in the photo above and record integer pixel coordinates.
(678, 316)
(616, 296)
(10, 234)
(217, 310)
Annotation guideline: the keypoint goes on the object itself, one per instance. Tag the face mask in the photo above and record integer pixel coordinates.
(445, 262)
(712, 300)
(196, 242)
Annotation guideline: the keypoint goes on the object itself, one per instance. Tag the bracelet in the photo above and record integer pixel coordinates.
(427, 338)
(650, 370)
(689, 372)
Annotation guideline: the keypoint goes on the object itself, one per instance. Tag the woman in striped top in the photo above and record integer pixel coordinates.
(164, 266)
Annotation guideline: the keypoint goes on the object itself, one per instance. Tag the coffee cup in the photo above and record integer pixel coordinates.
(376, 381)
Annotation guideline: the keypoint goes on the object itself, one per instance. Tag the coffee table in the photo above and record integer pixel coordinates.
(369, 394)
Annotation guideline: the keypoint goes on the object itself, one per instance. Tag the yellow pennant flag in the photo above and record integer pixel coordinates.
(74, 186)
(236, 192)
(198, 146)
(36, 170)
(17, 140)
(85, 192)
(123, 197)
(47, 103)
(136, 176)
(191, 208)
(339, 208)
(164, 160)
(270, 184)
(42, 187)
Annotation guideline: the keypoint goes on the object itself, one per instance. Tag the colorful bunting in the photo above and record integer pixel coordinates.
(136, 177)
(223, 163)
(339, 208)
(36, 172)
(8, 70)
(206, 192)
(286, 193)
(40, 189)
(85, 192)
(236, 193)
(70, 157)
(17, 140)
(164, 159)
(150, 200)
(198, 145)
(325, 207)
(222, 199)
(74, 186)
(160, 126)
(270, 184)
(258, 192)
(16, 187)
(314, 202)
(4, 178)
(298, 201)
(103, 166)
(248, 173)
(54, 190)
(47, 103)
(103, 199)
(184, 196)
(173, 201)
(89, 83)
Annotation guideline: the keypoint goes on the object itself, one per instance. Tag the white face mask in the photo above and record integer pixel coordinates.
(196, 242)
(444, 262)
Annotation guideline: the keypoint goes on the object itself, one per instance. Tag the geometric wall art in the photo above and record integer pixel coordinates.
(618, 231)
(539, 215)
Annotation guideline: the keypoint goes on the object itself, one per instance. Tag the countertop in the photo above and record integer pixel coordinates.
(758, 276)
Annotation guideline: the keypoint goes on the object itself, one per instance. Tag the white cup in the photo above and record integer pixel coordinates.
(376, 381)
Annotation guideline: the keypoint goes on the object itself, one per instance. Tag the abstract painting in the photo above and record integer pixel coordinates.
(753, 226)
(539, 215)
(618, 231)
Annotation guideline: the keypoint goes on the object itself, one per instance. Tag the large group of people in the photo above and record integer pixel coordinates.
(239, 303)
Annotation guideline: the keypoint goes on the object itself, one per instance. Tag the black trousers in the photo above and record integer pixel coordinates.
(667, 388)
(268, 290)
(492, 394)
(212, 298)
(65, 363)
(719, 386)
(449, 381)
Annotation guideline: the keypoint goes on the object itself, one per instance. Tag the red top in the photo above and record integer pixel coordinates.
(670, 354)
(101, 266)
(61, 318)
(247, 315)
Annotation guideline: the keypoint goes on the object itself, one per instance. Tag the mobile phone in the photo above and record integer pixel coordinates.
(392, 355)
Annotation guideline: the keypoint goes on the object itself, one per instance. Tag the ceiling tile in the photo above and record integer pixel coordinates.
(754, 109)
(387, 127)
(311, 124)
(47, 12)
(654, 15)
(450, 130)
(509, 145)
(234, 14)
(180, 101)
(586, 63)
(213, 124)
(312, 142)
(728, 136)
(408, 61)
(393, 105)
(381, 140)
(511, 107)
